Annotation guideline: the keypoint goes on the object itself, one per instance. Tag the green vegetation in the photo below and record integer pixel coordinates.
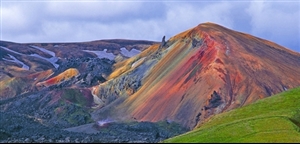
(73, 108)
(273, 119)
(73, 114)
(75, 96)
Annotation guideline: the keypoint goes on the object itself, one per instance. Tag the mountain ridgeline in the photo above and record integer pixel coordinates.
(156, 90)
(198, 73)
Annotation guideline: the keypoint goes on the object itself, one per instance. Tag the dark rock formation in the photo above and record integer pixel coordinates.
(163, 41)
(214, 101)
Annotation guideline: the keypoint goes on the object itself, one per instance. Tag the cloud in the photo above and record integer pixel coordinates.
(19, 18)
(278, 22)
(69, 21)
(73, 21)
(183, 16)
(104, 11)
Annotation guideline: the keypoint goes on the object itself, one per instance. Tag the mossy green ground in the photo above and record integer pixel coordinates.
(73, 107)
(272, 119)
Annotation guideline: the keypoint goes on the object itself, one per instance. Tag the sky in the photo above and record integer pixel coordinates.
(27, 21)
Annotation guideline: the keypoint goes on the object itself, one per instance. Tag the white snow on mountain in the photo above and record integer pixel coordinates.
(102, 54)
(15, 60)
(130, 53)
(52, 60)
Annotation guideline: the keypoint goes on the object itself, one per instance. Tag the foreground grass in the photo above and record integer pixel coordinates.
(273, 119)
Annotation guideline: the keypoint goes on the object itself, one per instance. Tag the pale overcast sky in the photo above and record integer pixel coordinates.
(26, 21)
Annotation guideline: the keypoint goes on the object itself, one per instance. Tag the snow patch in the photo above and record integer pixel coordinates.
(102, 54)
(130, 53)
(44, 50)
(24, 66)
(11, 50)
(52, 60)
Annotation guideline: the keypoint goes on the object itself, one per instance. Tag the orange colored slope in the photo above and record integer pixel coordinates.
(66, 75)
(210, 69)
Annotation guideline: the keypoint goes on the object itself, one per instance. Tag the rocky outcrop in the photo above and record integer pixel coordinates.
(163, 41)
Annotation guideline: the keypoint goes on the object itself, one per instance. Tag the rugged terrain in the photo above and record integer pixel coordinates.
(46, 93)
(133, 90)
(198, 73)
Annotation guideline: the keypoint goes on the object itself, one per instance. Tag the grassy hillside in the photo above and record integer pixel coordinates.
(273, 119)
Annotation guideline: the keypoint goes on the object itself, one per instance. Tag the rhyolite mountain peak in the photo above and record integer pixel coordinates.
(198, 73)
(118, 89)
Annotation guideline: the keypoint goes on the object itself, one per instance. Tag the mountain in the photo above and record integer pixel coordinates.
(274, 119)
(43, 56)
(198, 73)
(45, 93)
(33, 63)
(135, 90)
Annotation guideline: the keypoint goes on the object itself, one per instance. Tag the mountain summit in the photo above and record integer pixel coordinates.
(198, 73)
(134, 90)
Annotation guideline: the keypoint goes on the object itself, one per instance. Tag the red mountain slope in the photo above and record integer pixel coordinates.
(204, 71)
